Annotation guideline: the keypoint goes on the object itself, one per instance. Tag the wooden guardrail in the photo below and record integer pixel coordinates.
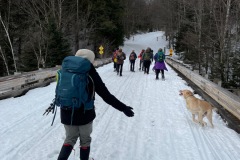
(228, 100)
(16, 85)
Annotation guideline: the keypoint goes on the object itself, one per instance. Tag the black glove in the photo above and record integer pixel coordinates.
(128, 111)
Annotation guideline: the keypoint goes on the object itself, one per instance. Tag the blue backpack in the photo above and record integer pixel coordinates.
(72, 86)
(160, 57)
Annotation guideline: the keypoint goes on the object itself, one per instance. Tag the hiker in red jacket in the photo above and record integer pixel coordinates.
(141, 60)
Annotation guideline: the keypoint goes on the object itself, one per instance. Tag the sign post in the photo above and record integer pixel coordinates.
(170, 52)
(101, 50)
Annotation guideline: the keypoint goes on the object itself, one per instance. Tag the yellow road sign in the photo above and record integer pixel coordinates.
(100, 52)
(170, 50)
(101, 48)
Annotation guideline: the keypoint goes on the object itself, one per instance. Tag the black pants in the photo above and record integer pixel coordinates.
(158, 71)
(119, 69)
(132, 64)
(146, 64)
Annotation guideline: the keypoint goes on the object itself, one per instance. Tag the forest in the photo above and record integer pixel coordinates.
(38, 34)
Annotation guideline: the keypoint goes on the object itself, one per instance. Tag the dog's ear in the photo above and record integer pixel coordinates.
(189, 93)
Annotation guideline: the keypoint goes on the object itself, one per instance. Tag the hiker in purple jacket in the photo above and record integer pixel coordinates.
(159, 58)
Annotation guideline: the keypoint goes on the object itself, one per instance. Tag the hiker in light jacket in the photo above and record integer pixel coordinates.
(159, 58)
(82, 121)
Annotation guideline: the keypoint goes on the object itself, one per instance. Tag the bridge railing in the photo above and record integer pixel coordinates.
(16, 85)
(225, 98)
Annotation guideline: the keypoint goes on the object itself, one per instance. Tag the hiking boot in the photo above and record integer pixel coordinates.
(163, 77)
(65, 152)
(84, 153)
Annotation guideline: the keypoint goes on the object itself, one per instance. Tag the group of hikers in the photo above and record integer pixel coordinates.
(77, 83)
(146, 58)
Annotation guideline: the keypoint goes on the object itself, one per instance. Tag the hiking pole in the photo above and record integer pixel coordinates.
(48, 110)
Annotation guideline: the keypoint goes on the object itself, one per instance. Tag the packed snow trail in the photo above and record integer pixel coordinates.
(162, 128)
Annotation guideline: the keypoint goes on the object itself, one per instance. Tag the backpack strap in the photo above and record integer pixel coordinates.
(93, 93)
(89, 102)
(58, 77)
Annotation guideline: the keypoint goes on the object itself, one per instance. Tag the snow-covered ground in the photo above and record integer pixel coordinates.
(162, 128)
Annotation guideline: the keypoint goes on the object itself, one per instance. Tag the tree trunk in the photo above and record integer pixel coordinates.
(10, 43)
(4, 60)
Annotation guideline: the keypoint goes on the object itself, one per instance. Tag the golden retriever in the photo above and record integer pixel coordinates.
(197, 107)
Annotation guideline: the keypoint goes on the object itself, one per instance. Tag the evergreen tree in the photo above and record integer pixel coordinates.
(108, 16)
(58, 47)
(236, 72)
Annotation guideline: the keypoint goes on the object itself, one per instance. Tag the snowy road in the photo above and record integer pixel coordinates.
(161, 129)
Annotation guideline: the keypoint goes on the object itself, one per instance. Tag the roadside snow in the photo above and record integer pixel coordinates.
(161, 129)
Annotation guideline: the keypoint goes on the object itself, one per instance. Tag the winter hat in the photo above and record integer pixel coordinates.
(160, 50)
(86, 53)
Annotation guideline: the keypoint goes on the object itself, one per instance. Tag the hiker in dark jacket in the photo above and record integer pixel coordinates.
(132, 59)
(121, 56)
(82, 120)
(147, 59)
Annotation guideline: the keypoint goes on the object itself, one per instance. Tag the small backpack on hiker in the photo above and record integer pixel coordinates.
(120, 56)
(72, 85)
(147, 56)
(132, 56)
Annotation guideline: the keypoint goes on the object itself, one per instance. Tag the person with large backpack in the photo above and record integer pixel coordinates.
(121, 56)
(132, 59)
(147, 59)
(77, 83)
(159, 58)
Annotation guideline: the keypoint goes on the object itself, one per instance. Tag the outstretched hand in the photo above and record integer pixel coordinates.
(128, 111)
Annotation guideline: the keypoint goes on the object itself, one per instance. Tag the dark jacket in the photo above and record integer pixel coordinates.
(147, 55)
(132, 56)
(79, 116)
